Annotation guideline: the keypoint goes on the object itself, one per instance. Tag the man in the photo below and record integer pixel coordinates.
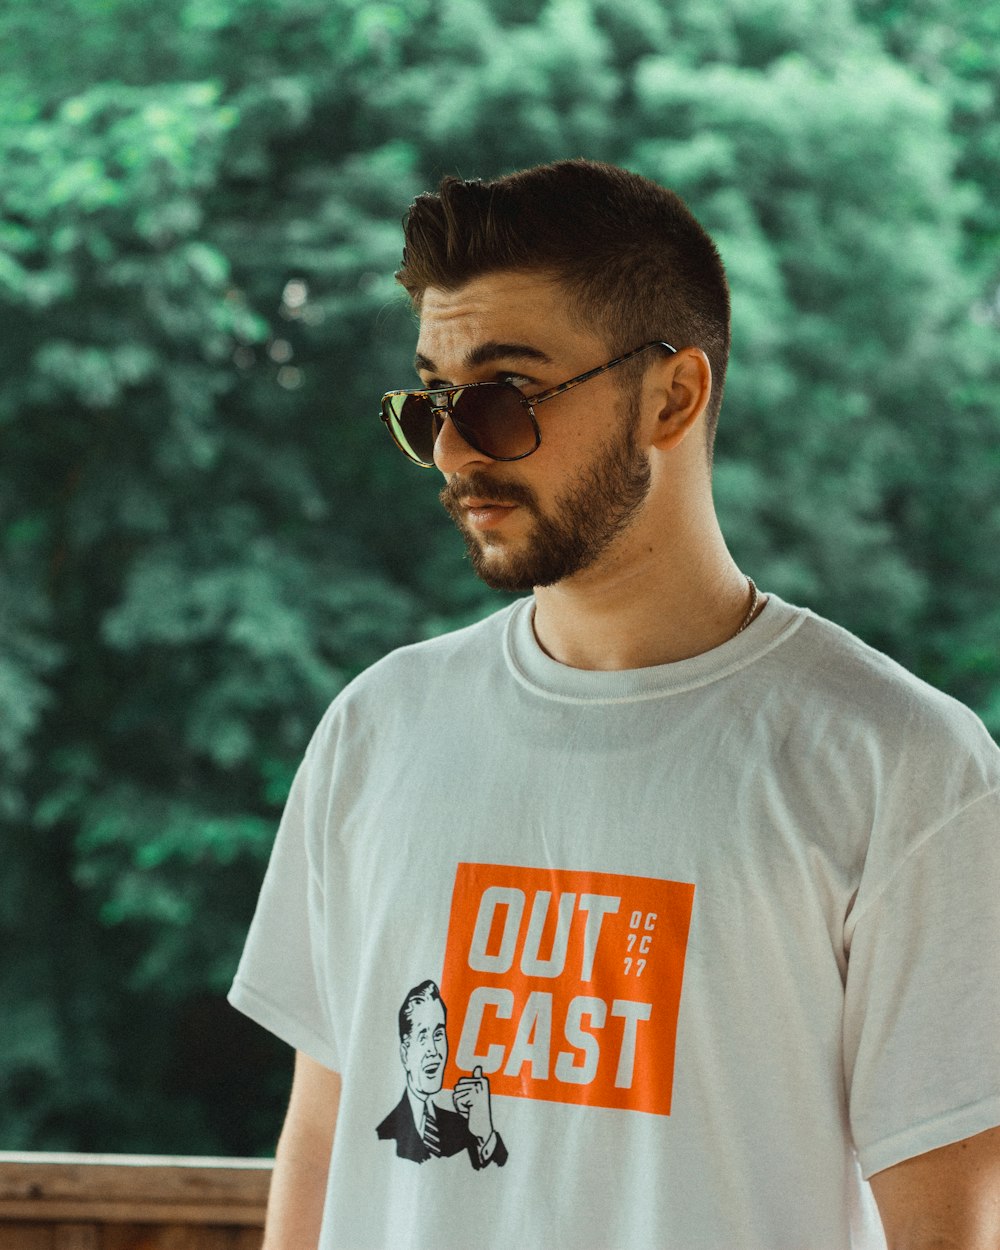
(713, 888)
(422, 1125)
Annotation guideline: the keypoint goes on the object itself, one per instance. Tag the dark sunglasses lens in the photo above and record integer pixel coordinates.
(492, 419)
(495, 421)
(414, 426)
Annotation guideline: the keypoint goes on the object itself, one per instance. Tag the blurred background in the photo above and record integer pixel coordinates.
(205, 531)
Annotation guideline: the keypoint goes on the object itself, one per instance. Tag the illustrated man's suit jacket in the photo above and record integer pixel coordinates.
(453, 1131)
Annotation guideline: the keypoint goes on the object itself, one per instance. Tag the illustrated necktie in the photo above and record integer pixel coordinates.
(432, 1139)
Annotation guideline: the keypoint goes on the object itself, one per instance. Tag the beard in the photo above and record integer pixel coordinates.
(585, 519)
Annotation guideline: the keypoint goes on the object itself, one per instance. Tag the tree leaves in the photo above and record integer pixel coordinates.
(204, 532)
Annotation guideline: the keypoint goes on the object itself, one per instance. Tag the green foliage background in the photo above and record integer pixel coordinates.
(204, 531)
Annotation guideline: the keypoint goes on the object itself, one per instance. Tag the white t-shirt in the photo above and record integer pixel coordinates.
(715, 940)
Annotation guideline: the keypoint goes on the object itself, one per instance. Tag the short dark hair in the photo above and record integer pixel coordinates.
(631, 254)
(425, 992)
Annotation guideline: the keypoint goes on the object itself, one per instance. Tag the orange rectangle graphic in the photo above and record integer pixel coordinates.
(565, 985)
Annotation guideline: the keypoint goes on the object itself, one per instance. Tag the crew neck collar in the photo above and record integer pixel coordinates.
(536, 670)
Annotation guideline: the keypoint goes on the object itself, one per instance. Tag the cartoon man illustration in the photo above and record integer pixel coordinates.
(427, 1123)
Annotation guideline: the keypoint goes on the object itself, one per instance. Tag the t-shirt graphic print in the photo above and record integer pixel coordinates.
(429, 1122)
(565, 985)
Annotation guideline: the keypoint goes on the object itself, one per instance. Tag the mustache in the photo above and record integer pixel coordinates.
(484, 486)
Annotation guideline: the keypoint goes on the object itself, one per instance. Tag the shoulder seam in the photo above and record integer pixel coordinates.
(916, 848)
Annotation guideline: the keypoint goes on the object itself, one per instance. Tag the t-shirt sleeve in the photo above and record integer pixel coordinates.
(922, 1009)
(279, 981)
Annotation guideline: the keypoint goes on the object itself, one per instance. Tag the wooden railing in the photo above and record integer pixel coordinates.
(124, 1202)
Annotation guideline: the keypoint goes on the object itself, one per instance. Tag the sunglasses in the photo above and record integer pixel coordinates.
(494, 418)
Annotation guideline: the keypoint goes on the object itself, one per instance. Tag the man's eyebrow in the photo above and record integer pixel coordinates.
(485, 352)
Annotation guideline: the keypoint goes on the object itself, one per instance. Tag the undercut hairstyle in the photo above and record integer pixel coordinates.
(630, 254)
(425, 992)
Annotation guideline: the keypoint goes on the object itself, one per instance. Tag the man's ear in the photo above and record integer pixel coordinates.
(683, 388)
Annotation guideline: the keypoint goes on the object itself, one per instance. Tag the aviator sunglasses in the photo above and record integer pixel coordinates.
(494, 418)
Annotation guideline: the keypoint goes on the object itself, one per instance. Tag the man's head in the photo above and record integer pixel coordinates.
(423, 1040)
(635, 264)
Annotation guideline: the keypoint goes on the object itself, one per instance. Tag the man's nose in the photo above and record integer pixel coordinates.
(451, 452)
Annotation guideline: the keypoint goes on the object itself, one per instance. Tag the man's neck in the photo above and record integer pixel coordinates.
(661, 604)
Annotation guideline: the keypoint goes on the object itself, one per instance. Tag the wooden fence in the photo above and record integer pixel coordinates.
(123, 1202)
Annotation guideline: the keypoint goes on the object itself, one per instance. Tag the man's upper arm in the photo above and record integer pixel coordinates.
(298, 1185)
(946, 1199)
(314, 1101)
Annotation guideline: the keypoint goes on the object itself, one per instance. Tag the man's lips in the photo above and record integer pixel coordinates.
(486, 513)
(478, 504)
